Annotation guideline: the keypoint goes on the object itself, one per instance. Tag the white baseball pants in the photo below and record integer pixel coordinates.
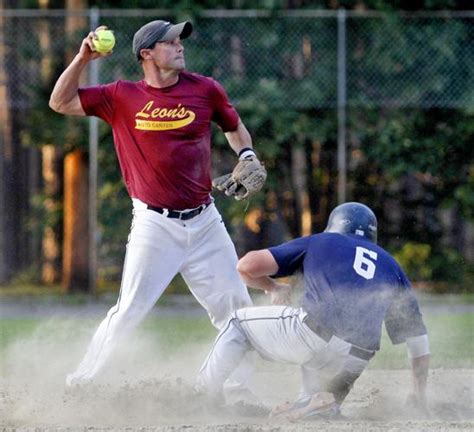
(279, 334)
(158, 248)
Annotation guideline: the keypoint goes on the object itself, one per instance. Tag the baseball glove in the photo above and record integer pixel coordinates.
(246, 179)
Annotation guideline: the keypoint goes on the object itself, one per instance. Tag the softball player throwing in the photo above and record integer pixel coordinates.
(162, 134)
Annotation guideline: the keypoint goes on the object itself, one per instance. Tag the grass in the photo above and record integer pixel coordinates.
(172, 332)
(23, 287)
(451, 339)
(451, 344)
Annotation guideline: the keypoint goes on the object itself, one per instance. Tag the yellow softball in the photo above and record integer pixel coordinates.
(105, 41)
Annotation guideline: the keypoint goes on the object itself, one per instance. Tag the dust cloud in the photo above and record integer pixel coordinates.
(144, 389)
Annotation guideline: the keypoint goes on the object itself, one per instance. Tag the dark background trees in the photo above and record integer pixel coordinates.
(409, 129)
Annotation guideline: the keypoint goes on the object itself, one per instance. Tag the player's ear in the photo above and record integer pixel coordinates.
(145, 54)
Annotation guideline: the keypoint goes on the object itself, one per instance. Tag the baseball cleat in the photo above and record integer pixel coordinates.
(319, 406)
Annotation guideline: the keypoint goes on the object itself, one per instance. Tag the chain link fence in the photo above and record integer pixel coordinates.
(273, 62)
(423, 60)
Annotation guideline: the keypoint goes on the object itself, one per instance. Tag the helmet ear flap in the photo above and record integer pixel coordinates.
(353, 218)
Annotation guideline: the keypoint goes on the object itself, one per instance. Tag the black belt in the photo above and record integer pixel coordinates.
(177, 214)
(326, 335)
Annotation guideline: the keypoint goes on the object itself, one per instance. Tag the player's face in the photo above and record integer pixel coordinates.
(169, 55)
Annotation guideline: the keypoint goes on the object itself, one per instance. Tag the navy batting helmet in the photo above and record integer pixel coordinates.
(353, 218)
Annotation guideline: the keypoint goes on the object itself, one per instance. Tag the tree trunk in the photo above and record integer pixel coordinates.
(299, 177)
(6, 234)
(76, 196)
(236, 58)
(52, 170)
(76, 226)
(51, 242)
(469, 250)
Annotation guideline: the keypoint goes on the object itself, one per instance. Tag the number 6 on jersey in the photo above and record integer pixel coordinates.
(363, 265)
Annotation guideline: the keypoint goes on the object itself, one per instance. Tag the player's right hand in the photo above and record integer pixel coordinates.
(281, 295)
(87, 50)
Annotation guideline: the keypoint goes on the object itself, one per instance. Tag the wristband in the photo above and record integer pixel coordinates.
(418, 346)
(246, 152)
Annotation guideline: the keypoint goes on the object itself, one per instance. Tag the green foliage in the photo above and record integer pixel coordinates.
(401, 62)
(422, 262)
(286, 96)
(464, 194)
(433, 144)
(381, 5)
(410, 5)
(414, 258)
(450, 266)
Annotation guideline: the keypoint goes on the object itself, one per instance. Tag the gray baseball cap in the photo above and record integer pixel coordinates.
(159, 31)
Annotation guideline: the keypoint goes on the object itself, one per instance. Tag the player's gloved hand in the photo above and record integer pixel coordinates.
(224, 183)
(281, 294)
(247, 178)
(229, 186)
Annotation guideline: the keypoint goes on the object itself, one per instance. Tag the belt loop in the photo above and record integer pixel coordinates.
(165, 212)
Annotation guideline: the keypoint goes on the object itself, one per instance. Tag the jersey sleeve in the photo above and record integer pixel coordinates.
(290, 256)
(225, 114)
(403, 319)
(99, 100)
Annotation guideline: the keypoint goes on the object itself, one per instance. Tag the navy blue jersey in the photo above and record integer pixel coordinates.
(351, 286)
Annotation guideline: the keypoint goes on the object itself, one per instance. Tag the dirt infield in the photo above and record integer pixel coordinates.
(147, 391)
(375, 404)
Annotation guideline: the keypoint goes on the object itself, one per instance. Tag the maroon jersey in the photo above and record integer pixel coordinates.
(163, 135)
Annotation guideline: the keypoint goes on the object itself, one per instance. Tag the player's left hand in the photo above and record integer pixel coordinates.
(223, 183)
(247, 178)
(281, 294)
